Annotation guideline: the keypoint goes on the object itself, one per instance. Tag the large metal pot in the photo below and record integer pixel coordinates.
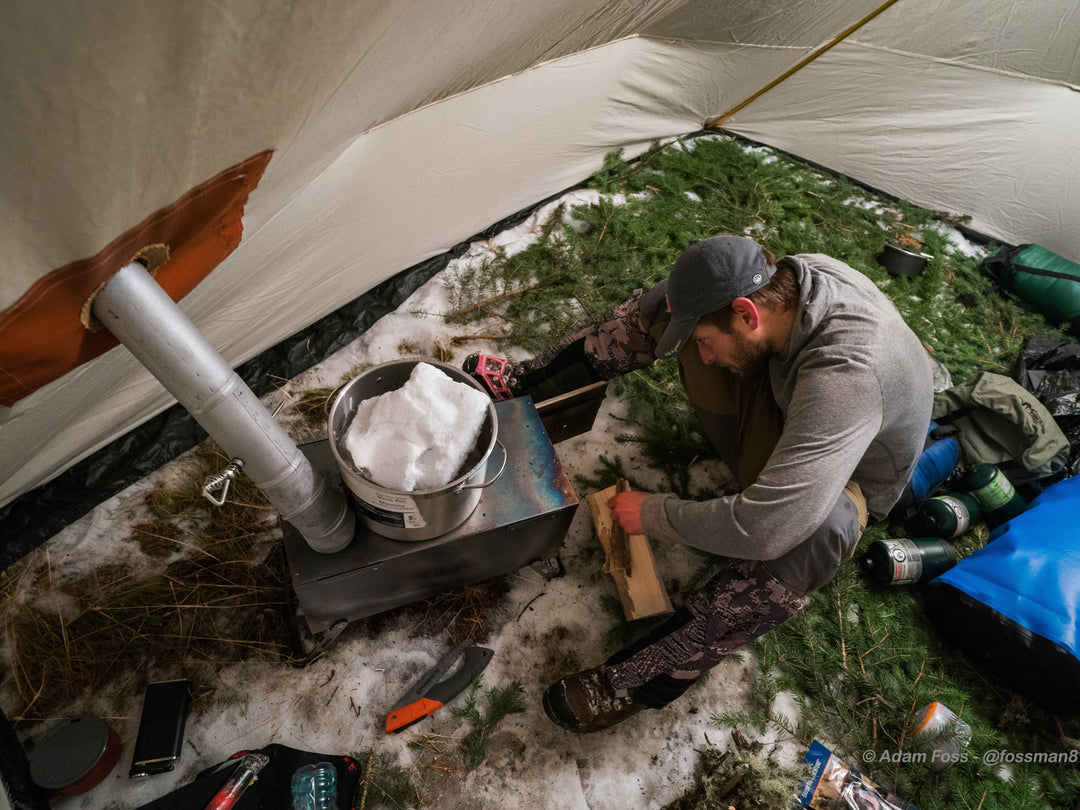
(421, 514)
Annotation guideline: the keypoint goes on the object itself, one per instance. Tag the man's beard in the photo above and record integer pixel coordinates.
(750, 357)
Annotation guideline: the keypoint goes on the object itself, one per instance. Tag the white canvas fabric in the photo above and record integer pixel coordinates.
(966, 107)
(400, 129)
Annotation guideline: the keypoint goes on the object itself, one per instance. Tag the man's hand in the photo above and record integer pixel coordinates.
(626, 510)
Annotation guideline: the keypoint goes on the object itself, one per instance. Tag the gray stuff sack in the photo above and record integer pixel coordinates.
(999, 421)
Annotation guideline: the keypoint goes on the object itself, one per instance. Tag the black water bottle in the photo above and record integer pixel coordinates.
(945, 516)
(908, 560)
(995, 494)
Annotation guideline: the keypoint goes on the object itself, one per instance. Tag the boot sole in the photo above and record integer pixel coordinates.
(549, 710)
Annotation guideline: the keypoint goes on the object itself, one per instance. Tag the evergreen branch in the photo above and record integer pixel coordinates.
(463, 311)
(501, 703)
(383, 785)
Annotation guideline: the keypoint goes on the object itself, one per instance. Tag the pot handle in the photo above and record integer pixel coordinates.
(493, 480)
(333, 395)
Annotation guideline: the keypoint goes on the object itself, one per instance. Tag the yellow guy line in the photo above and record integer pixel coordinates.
(720, 119)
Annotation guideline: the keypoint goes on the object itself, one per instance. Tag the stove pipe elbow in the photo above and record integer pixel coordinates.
(142, 316)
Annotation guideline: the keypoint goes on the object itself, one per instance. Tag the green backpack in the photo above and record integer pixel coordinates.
(1046, 282)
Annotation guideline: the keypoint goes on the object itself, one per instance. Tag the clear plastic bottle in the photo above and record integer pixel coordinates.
(314, 787)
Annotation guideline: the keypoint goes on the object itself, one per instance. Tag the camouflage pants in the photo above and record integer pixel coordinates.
(744, 600)
(739, 604)
(616, 344)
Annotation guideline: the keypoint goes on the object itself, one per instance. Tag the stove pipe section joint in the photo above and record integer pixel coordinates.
(142, 316)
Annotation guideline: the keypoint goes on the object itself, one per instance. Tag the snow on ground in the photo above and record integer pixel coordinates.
(548, 629)
(545, 629)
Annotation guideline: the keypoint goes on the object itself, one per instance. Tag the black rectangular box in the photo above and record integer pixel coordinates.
(161, 728)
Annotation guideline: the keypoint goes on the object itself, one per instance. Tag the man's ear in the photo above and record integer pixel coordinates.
(747, 311)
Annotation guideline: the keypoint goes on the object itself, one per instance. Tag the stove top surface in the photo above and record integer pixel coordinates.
(522, 516)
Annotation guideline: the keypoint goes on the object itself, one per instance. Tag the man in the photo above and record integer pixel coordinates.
(816, 395)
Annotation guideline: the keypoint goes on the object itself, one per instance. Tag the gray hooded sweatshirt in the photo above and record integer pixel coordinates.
(855, 388)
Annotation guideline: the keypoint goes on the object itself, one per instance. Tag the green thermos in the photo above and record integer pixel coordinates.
(908, 560)
(945, 516)
(993, 492)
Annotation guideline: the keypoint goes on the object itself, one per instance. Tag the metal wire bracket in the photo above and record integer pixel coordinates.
(221, 481)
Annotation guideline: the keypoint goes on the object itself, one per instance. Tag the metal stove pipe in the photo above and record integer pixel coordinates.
(142, 316)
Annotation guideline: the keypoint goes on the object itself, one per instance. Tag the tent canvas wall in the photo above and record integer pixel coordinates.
(386, 132)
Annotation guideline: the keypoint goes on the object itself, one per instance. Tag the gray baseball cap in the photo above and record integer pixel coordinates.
(707, 277)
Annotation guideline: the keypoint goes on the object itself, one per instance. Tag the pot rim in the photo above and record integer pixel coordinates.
(458, 375)
(916, 254)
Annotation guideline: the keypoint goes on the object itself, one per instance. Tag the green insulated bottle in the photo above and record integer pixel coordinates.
(908, 560)
(945, 516)
(995, 494)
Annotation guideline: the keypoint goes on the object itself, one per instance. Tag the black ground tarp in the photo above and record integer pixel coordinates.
(35, 516)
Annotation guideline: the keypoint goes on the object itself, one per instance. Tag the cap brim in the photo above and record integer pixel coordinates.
(675, 337)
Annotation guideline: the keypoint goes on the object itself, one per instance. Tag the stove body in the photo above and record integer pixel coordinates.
(521, 518)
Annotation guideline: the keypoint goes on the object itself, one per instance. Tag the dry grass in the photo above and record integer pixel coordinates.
(213, 590)
(473, 612)
(461, 614)
(312, 407)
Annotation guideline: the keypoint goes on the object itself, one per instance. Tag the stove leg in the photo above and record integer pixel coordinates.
(549, 569)
(308, 647)
(312, 647)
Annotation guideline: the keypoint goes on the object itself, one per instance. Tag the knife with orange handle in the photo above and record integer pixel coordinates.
(436, 688)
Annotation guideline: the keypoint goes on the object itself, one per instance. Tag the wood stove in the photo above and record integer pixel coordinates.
(521, 519)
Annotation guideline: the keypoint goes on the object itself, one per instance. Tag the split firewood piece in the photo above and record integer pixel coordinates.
(643, 594)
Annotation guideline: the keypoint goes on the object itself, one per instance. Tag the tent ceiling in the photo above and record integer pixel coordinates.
(398, 129)
(977, 117)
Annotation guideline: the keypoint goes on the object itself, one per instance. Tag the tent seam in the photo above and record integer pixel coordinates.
(957, 63)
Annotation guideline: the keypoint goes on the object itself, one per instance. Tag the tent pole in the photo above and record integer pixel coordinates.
(142, 316)
(720, 120)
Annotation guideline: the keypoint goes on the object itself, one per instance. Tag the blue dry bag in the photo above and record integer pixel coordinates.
(1013, 606)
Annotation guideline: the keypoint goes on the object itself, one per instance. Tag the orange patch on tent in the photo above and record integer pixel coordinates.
(41, 335)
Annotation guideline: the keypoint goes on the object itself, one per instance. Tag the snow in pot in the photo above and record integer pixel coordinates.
(418, 436)
(412, 440)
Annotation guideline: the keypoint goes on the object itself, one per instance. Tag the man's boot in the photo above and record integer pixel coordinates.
(587, 702)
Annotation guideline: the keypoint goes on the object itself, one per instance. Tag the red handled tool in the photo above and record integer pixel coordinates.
(435, 689)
